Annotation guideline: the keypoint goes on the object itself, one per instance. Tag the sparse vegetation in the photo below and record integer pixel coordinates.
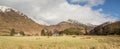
(46, 33)
(61, 42)
(13, 32)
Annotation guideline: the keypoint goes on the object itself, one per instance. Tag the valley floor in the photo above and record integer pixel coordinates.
(60, 42)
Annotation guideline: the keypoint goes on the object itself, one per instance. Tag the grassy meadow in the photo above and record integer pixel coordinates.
(60, 42)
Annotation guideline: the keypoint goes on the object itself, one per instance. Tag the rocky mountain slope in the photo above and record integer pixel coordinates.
(14, 19)
(108, 28)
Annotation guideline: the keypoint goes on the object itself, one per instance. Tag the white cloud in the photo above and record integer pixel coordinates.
(55, 11)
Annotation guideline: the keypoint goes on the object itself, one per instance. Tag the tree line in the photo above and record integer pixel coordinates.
(13, 32)
(69, 31)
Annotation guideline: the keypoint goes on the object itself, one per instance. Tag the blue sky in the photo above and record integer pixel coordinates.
(111, 7)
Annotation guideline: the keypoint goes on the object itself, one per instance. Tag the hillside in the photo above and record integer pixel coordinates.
(69, 24)
(14, 19)
(107, 29)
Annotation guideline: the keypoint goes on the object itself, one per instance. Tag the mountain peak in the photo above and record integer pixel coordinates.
(5, 8)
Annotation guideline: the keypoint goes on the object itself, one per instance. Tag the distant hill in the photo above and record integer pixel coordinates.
(107, 28)
(69, 24)
(14, 19)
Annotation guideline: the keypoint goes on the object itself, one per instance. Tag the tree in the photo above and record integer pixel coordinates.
(43, 33)
(22, 33)
(12, 32)
(85, 28)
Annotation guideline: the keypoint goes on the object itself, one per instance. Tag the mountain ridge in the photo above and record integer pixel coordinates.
(11, 18)
(108, 28)
(68, 24)
(14, 19)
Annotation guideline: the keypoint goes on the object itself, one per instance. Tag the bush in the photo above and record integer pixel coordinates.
(46, 33)
(22, 33)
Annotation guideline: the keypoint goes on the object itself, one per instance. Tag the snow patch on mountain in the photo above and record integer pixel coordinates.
(5, 9)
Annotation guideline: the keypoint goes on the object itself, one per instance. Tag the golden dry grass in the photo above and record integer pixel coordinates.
(61, 42)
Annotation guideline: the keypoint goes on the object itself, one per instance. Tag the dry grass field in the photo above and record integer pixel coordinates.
(60, 42)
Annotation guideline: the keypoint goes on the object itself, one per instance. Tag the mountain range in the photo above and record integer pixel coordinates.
(69, 24)
(11, 18)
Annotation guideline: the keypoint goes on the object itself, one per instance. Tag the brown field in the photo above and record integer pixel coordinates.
(60, 42)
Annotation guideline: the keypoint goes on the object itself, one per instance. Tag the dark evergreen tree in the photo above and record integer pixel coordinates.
(12, 32)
